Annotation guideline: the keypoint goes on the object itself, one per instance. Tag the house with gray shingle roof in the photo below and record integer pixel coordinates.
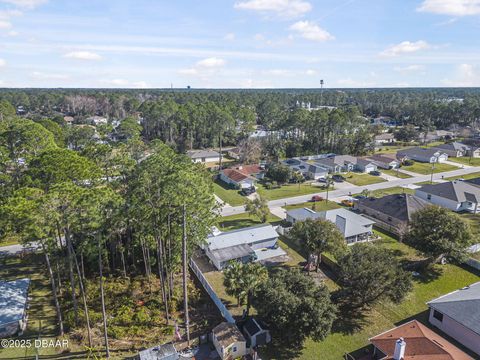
(346, 163)
(203, 156)
(425, 155)
(457, 314)
(13, 306)
(391, 212)
(453, 195)
(454, 149)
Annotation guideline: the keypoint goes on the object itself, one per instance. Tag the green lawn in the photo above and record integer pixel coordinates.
(474, 221)
(388, 191)
(466, 160)
(242, 220)
(362, 179)
(319, 205)
(230, 196)
(9, 241)
(466, 177)
(426, 168)
(288, 190)
(396, 173)
(41, 315)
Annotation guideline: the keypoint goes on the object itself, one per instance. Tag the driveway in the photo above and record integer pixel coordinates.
(11, 250)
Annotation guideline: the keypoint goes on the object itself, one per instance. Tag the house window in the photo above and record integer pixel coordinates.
(234, 349)
(438, 315)
(429, 197)
(203, 159)
(389, 218)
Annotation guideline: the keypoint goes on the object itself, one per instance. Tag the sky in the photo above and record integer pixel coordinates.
(239, 43)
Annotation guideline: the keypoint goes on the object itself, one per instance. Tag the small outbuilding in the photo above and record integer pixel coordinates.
(255, 333)
(160, 352)
(229, 341)
(13, 306)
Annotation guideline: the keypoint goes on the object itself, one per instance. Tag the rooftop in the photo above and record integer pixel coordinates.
(227, 334)
(454, 190)
(195, 154)
(462, 306)
(421, 343)
(232, 252)
(241, 236)
(160, 352)
(13, 299)
(417, 150)
(398, 206)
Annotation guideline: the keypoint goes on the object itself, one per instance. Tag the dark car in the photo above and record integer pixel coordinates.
(375, 173)
(338, 178)
(316, 198)
(360, 197)
(247, 191)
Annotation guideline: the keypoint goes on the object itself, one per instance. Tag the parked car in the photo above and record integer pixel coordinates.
(247, 191)
(375, 173)
(338, 178)
(316, 198)
(360, 197)
(347, 202)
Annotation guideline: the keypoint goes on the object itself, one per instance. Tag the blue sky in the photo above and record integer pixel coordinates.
(239, 43)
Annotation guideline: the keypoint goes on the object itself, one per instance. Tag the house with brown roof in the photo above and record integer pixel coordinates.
(243, 176)
(229, 341)
(414, 341)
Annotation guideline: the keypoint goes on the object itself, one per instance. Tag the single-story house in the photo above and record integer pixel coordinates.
(160, 352)
(13, 306)
(391, 212)
(453, 195)
(309, 171)
(243, 176)
(245, 245)
(457, 314)
(436, 135)
(203, 156)
(474, 181)
(234, 153)
(229, 341)
(385, 138)
(97, 120)
(454, 149)
(425, 155)
(414, 341)
(355, 228)
(346, 163)
(255, 333)
(384, 161)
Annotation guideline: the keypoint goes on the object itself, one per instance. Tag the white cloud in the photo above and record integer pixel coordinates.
(26, 4)
(405, 47)
(124, 83)
(409, 68)
(12, 33)
(82, 55)
(5, 14)
(281, 8)
(189, 71)
(311, 31)
(5, 24)
(451, 7)
(311, 72)
(255, 84)
(229, 37)
(2, 63)
(212, 62)
(49, 76)
(351, 83)
(277, 72)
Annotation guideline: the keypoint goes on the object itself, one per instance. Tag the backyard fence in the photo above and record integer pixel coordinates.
(221, 307)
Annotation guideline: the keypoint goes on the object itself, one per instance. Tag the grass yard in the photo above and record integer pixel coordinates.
(11, 240)
(426, 168)
(319, 205)
(362, 179)
(388, 191)
(466, 176)
(474, 221)
(396, 173)
(288, 190)
(239, 221)
(466, 160)
(230, 196)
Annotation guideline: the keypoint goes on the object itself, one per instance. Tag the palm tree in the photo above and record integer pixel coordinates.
(255, 275)
(233, 281)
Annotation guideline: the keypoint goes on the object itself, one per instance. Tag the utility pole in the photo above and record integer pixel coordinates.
(185, 293)
(321, 92)
(431, 175)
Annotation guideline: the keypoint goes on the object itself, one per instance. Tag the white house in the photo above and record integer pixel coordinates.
(229, 341)
(457, 314)
(97, 120)
(385, 138)
(454, 149)
(203, 156)
(346, 163)
(13, 306)
(254, 243)
(309, 171)
(355, 228)
(255, 333)
(453, 195)
(426, 155)
(385, 161)
(243, 176)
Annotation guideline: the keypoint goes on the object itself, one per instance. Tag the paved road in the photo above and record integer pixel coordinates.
(233, 210)
(15, 249)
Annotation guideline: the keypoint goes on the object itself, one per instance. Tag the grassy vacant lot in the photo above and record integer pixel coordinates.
(466, 160)
(230, 196)
(288, 190)
(319, 205)
(466, 177)
(426, 168)
(362, 179)
(393, 190)
(242, 220)
(386, 315)
(396, 173)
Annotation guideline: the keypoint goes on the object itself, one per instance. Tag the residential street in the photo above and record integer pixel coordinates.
(346, 190)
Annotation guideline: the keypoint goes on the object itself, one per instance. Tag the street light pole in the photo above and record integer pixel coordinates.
(321, 92)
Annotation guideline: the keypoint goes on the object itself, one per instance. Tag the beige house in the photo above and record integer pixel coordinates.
(229, 341)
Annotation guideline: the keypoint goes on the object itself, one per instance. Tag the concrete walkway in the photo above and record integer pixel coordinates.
(357, 189)
(279, 211)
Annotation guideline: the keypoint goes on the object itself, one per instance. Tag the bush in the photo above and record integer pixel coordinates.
(408, 162)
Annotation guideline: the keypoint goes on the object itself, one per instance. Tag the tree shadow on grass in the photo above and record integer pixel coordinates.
(281, 351)
(349, 320)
